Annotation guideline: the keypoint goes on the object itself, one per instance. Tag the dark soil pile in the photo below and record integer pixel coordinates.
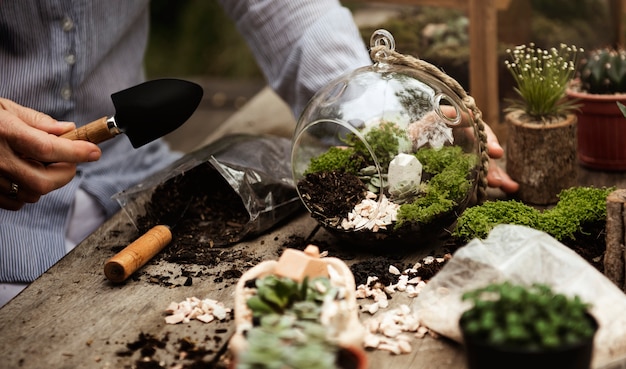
(204, 211)
(331, 206)
(191, 354)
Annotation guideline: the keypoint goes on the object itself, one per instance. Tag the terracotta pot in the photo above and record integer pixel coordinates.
(601, 131)
(541, 157)
(481, 355)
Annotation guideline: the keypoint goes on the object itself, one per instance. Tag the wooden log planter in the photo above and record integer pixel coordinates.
(614, 265)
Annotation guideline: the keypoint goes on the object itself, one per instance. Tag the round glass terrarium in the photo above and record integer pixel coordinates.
(386, 152)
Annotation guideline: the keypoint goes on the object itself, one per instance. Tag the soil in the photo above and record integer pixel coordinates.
(201, 193)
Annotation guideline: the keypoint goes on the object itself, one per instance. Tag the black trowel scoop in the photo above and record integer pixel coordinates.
(144, 112)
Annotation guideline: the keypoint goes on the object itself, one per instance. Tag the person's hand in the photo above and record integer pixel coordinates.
(28, 140)
(496, 176)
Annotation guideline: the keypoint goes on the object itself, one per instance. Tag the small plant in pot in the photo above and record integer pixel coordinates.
(517, 326)
(298, 312)
(541, 143)
(600, 85)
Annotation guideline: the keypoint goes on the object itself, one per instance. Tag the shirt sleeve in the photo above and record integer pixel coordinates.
(299, 45)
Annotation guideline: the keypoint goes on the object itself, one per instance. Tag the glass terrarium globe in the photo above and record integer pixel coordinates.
(386, 152)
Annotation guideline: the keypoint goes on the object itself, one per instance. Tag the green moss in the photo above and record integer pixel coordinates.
(336, 159)
(577, 207)
(384, 141)
(436, 160)
(478, 221)
(425, 208)
(448, 185)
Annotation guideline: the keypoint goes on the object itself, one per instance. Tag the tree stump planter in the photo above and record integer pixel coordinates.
(614, 266)
(541, 157)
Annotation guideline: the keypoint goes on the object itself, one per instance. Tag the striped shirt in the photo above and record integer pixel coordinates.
(66, 57)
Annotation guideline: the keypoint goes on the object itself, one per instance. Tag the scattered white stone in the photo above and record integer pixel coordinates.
(371, 214)
(205, 311)
(391, 330)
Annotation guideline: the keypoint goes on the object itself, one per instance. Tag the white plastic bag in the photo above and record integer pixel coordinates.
(524, 255)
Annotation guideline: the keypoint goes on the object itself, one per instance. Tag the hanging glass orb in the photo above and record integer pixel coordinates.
(385, 153)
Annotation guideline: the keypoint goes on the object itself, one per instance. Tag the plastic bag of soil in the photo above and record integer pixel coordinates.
(235, 187)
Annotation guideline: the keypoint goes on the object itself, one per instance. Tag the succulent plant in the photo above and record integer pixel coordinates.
(603, 71)
(506, 314)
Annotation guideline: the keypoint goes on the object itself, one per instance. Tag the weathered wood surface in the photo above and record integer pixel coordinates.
(73, 317)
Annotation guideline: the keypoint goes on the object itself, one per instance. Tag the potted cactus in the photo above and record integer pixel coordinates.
(601, 83)
(518, 326)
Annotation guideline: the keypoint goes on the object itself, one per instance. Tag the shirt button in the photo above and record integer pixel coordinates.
(66, 93)
(70, 59)
(67, 24)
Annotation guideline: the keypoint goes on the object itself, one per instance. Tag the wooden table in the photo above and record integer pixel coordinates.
(72, 317)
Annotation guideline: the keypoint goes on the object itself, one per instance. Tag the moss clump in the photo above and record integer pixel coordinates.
(478, 221)
(576, 208)
(449, 183)
(384, 141)
(336, 159)
(425, 208)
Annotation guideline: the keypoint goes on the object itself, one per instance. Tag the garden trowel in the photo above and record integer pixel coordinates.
(144, 112)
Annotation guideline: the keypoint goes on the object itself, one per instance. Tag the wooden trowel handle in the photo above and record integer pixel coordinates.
(135, 255)
(97, 131)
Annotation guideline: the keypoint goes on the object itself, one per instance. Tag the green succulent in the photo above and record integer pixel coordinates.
(510, 315)
(287, 332)
(603, 71)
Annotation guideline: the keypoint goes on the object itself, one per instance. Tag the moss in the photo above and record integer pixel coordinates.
(449, 184)
(436, 160)
(426, 208)
(453, 178)
(478, 221)
(336, 159)
(576, 208)
(384, 141)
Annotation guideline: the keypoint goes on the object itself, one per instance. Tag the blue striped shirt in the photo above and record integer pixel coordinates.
(66, 58)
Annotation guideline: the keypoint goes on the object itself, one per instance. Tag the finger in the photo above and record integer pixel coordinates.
(47, 148)
(493, 145)
(12, 197)
(42, 179)
(36, 119)
(498, 178)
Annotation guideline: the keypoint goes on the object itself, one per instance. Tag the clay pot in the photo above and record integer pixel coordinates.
(601, 131)
(541, 157)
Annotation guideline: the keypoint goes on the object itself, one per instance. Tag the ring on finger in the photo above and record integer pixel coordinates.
(13, 190)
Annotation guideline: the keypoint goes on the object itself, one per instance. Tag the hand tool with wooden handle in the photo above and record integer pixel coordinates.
(144, 112)
(134, 256)
(123, 264)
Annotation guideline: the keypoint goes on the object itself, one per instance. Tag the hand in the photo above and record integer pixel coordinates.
(28, 139)
(496, 176)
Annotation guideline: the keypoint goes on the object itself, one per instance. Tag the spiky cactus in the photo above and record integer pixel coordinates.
(604, 71)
